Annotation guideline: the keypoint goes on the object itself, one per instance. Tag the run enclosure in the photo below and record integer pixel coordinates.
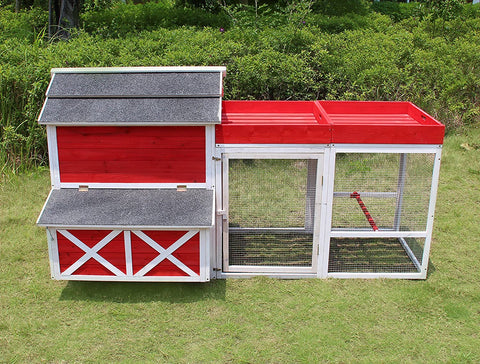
(326, 210)
(155, 178)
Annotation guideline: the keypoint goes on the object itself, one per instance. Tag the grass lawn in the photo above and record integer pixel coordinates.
(254, 321)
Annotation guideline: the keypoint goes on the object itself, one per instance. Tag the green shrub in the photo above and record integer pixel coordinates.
(271, 75)
(25, 25)
(373, 58)
(126, 19)
(341, 7)
(395, 10)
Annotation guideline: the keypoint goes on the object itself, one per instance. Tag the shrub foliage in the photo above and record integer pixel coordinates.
(306, 55)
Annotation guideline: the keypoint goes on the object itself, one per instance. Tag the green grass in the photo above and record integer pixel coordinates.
(258, 320)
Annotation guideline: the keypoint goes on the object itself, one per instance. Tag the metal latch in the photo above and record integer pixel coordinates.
(222, 213)
(216, 158)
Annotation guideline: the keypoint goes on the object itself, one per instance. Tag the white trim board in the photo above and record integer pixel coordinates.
(53, 156)
(98, 185)
(386, 148)
(124, 227)
(165, 69)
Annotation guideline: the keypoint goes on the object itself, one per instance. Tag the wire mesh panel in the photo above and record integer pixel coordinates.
(375, 193)
(374, 255)
(271, 212)
(394, 189)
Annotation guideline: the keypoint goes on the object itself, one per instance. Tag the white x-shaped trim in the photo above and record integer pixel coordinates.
(165, 253)
(91, 252)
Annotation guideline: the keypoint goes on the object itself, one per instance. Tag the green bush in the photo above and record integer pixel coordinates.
(395, 10)
(124, 19)
(26, 25)
(373, 58)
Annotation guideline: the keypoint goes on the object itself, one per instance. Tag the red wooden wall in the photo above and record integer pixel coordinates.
(142, 253)
(143, 154)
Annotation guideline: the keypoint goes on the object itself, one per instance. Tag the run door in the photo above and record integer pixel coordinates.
(271, 209)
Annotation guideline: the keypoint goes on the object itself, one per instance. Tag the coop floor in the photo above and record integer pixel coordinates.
(369, 256)
(286, 249)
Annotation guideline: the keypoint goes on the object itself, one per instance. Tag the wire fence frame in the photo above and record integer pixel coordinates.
(420, 262)
(312, 208)
(323, 219)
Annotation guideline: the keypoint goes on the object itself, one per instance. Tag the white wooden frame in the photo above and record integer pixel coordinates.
(162, 69)
(362, 233)
(224, 152)
(204, 241)
(53, 156)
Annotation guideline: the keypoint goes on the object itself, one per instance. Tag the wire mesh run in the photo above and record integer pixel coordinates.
(394, 188)
(271, 212)
(375, 255)
(270, 248)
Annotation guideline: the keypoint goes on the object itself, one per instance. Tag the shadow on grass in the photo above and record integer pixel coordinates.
(133, 292)
(431, 269)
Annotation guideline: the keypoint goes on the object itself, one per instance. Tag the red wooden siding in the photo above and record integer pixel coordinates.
(381, 122)
(141, 253)
(188, 253)
(144, 154)
(272, 122)
(324, 122)
(69, 253)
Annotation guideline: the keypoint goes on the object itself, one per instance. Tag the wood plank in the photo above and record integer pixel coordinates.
(132, 154)
(123, 154)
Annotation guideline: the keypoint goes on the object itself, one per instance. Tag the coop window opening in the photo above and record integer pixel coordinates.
(271, 204)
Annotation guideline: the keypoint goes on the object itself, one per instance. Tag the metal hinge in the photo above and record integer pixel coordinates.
(222, 213)
(216, 158)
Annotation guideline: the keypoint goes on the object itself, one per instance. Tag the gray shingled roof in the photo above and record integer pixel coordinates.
(120, 96)
(128, 208)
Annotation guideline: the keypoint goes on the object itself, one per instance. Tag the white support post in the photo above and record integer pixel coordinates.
(209, 155)
(53, 253)
(217, 259)
(310, 194)
(53, 156)
(225, 166)
(402, 172)
(204, 255)
(431, 210)
(128, 252)
(317, 213)
(327, 202)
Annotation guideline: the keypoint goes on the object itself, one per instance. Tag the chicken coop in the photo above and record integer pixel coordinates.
(156, 178)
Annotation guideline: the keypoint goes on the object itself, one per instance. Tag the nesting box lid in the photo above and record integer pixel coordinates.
(134, 96)
(128, 208)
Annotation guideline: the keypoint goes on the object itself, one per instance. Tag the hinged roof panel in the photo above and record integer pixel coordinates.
(128, 208)
(138, 95)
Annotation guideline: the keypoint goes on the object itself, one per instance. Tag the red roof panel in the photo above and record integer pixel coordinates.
(323, 122)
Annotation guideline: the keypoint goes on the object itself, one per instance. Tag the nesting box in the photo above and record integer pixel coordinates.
(155, 178)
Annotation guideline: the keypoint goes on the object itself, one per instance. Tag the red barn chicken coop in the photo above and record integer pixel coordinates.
(155, 178)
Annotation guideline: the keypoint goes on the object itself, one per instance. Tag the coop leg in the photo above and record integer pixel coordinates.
(369, 217)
